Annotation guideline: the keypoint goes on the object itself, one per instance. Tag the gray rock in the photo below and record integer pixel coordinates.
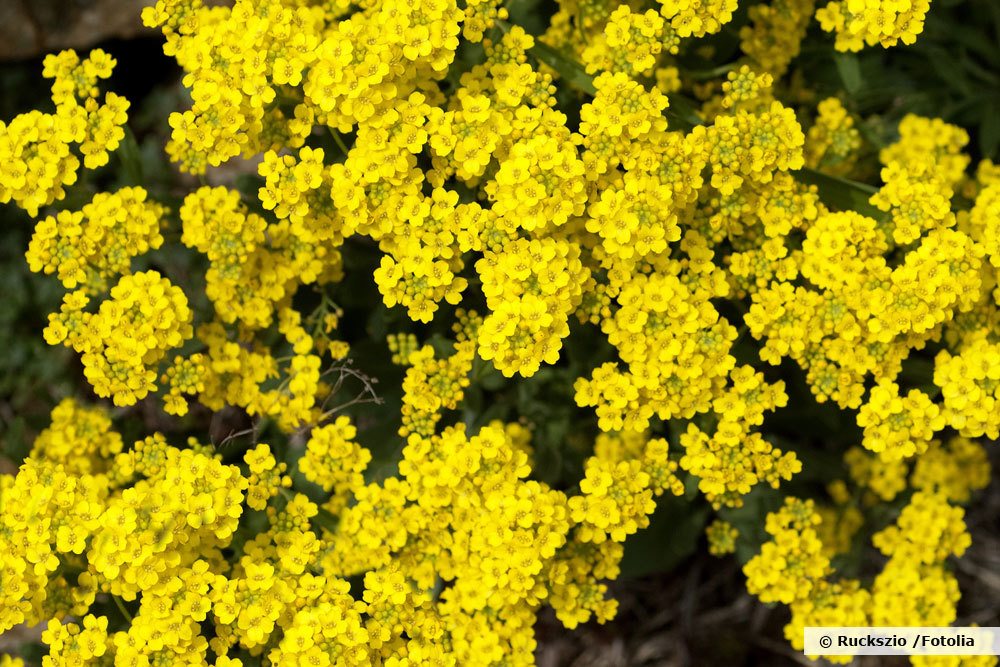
(29, 28)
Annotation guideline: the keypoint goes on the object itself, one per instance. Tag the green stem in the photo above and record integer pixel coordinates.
(715, 72)
(338, 140)
(121, 607)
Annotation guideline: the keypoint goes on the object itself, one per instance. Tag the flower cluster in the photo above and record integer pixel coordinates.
(833, 140)
(860, 23)
(335, 462)
(773, 37)
(531, 287)
(722, 537)
(252, 265)
(898, 426)
(236, 63)
(955, 469)
(88, 248)
(734, 459)
(697, 17)
(630, 43)
(970, 387)
(123, 343)
(859, 314)
(79, 438)
(617, 492)
(40, 152)
(461, 510)
(433, 385)
(791, 564)
(913, 588)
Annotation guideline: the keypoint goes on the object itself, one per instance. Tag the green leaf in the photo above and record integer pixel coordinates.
(491, 379)
(819, 465)
(942, 30)
(33, 652)
(131, 159)
(326, 520)
(950, 70)
(672, 535)
(840, 193)
(916, 371)
(850, 71)
(549, 440)
(249, 186)
(548, 463)
(14, 443)
(528, 15)
(749, 520)
(571, 71)
(989, 133)
(682, 112)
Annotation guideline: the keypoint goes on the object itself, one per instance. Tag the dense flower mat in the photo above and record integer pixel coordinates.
(518, 187)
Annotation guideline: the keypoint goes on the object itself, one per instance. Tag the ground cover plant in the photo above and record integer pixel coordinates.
(426, 318)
